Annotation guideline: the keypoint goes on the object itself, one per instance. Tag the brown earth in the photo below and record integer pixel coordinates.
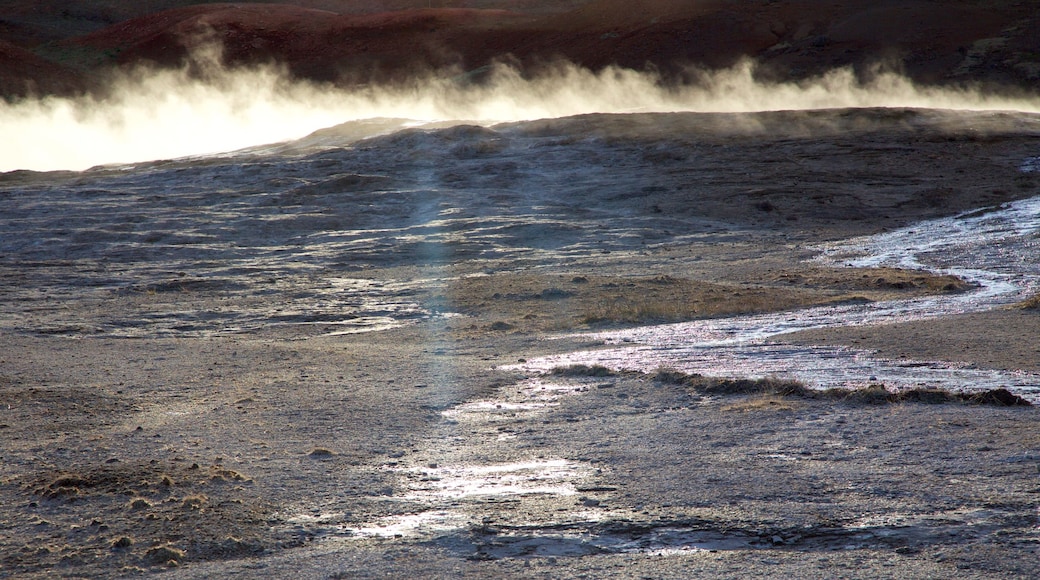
(24, 74)
(264, 452)
(531, 303)
(932, 41)
(1004, 344)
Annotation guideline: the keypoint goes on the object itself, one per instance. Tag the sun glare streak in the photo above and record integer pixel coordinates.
(167, 114)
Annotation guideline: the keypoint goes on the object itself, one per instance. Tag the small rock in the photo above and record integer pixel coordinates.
(163, 555)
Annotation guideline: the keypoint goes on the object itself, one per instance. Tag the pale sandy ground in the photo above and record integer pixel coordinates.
(262, 453)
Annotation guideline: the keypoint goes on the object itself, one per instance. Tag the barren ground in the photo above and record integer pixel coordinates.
(289, 450)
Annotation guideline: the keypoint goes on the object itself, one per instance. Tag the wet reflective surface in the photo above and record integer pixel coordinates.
(998, 250)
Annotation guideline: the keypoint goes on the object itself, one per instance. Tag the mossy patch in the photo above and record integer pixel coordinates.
(583, 371)
(525, 302)
(766, 402)
(871, 395)
(1032, 303)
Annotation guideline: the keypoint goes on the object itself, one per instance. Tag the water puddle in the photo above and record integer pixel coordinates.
(425, 523)
(529, 397)
(666, 540)
(451, 486)
(551, 477)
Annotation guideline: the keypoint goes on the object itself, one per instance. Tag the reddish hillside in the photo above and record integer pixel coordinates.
(933, 41)
(315, 44)
(22, 73)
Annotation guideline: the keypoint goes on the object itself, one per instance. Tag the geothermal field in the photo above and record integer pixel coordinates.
(581, 289)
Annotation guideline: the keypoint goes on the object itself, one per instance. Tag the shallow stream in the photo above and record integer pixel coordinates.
(996, 250)
(451, 483)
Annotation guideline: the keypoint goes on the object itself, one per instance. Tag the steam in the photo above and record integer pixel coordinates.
(168, 114)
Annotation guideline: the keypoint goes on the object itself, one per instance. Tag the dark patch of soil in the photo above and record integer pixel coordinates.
(156, 513)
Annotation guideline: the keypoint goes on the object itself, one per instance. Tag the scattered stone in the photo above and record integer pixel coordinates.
(194, 502)
(555, 294)
(163, 555)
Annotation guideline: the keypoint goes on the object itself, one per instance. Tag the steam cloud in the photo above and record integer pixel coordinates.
(167, 114)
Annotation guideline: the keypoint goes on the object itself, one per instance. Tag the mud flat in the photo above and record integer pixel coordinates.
(313, 364)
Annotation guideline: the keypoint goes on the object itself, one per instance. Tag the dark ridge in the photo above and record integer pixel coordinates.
(57, 47)
(583, 371)
(871, 395)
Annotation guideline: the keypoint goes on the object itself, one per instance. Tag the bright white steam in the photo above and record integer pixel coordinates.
(166, 114)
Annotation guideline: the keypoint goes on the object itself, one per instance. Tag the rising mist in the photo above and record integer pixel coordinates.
(151, 115)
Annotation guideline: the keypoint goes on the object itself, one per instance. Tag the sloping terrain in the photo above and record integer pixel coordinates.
(23, 74)
(327, 40)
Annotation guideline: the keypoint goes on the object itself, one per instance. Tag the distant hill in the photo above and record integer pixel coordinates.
(59, 47)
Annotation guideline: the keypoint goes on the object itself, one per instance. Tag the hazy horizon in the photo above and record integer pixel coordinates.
(162, 114)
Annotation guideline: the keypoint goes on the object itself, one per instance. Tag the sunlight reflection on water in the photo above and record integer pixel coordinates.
(997, 250)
